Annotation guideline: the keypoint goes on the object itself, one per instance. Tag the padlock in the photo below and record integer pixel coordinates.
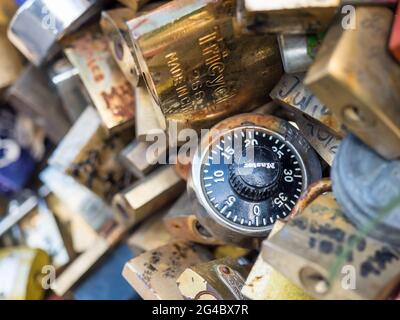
(107, 276)
(146, 122)
(292, 94)
(32, 96)
(394, 44)
(39, 25)
(153, 274)
(367, 187)
(364, 100)
(108, 88)
(79, 199)
(266, 283)
(65, 79)
(288, 16)
(115, 28)
(137, 158)
(182, 223)
(320, 251)
(20, 273)
(147, 196)
(248, 172)
(221, 279)
(89, 154)
(10, 63)
(151, 234)
(324, 142)
(298, 51)
(209, 73)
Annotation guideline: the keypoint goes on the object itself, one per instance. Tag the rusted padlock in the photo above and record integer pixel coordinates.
(110, 91)
(365, 101)
(153, 274)
(320, 251)
(211, 72)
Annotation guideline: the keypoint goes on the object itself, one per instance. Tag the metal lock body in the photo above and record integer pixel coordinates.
(202, 70)
(249, 171)
(298, 51)
(394, 44)
(65, 78)
(147, 196)
(153, 274)
(291, 93)
(367, 187)
(115, 28)
(182, 223)
(138, 161)
(19, 270)
(221, 279)
(31, 95)
(111, 93)
(320, 251)
(366, 100)
(89, 154)
(38, 25)
(287, 16)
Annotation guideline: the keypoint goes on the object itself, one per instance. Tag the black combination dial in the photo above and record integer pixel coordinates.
(251, 176)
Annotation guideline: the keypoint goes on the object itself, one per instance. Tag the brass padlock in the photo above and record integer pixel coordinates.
(320, 251)
(153, 274)
(292, 94)
(365, 101)
(266, 283)
(147, 196)
(111, 93)
(221, 279)
(39, 25)
(89, 154)
(210, 71)
(394, 44)
(182, 223)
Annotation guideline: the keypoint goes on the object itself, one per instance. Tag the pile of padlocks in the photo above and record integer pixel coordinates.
(293, 193)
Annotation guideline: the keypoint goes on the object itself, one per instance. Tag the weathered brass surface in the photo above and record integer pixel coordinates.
(196, 67)
(365, 98)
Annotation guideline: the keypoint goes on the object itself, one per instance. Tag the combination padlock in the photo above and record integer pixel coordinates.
(249, 171)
